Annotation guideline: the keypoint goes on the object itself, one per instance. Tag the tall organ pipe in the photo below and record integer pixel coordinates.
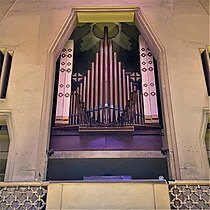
(92, 88)
(128, 97)
(111, 81)
(96, 87)
(120, 88)
(101, 83)
(88, 91)
(106, 76)
(116, 88)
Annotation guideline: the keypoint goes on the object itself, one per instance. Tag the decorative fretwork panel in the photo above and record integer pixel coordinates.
(148, 83)
(64, 84)
(189, 196)
(23, 197)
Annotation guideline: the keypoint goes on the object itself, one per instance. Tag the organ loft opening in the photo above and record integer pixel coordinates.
(106, 113)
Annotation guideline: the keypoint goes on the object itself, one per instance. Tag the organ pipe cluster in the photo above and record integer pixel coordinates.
(108, 96)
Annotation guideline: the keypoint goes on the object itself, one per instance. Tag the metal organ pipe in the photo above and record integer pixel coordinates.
(84, 99)
(135, 104)
(138, 107)
(131, 85)
(111, 87)
(125, 99)
(107, 95)
(80, 92)
(92, 89)
(101, 83)
(80, 105)
(106, 76)
(88, 91)
(128, 88)
(71, 109)
(77, 106)
(84, 91)
(96, 86)
(120, 88)
(132, 104)
(128, 97)
(141, 108)
(116, 88)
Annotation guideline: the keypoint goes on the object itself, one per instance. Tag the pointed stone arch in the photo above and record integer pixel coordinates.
(114, 14)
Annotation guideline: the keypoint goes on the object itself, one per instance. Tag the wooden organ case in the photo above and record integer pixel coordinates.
(107, 97)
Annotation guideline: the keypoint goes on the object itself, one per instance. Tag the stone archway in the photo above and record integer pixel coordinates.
(159, 52)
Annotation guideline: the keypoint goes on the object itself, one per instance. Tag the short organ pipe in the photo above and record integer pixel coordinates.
(124, 88)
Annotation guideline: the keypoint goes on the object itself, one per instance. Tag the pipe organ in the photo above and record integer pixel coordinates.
(107, 95)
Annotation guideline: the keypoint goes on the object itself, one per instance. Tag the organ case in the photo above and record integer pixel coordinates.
(108, 96)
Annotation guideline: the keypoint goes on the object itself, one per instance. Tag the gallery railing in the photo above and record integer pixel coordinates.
(192, 194)
(189, 194)
(22, 195)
